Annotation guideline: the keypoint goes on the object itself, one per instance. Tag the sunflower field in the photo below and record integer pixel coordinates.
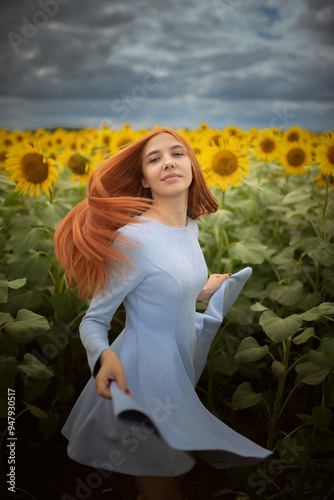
(270, 371)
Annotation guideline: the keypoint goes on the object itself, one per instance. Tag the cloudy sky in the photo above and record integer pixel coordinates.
(247, 63)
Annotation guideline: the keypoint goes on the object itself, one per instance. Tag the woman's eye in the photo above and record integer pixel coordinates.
(153, 160)
(178, 154)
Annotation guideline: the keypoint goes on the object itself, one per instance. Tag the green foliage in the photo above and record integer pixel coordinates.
(35, 345)
(272, 360)
(277, 363)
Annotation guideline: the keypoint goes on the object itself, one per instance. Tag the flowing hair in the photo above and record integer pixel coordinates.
(115, 195)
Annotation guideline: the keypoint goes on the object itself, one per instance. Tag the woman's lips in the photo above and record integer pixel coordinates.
(169, 177)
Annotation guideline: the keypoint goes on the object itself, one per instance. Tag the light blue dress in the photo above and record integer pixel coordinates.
(163, 348)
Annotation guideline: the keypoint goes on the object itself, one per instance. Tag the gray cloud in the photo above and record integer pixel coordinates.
(162, 59)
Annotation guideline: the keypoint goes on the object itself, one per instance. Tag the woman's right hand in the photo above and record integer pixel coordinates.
(111, 369)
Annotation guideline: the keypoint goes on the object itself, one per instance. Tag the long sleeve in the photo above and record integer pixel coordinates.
(96, 323)
(207, 323)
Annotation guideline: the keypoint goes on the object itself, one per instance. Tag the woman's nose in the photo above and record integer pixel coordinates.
(169, 162)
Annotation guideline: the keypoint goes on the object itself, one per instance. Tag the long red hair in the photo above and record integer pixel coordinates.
(115, 195)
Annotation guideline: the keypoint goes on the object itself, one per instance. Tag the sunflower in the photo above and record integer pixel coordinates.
(79, 163)
(266, 145)
(102, 154)
(19, 136)
(123, 138)
(233, 131)
(320, 180)
(194, 138)
(47, 141)
(324, 155)
(7, 139)
(251, 135)
(295, 134)
(59, 138)
(31, 168)
(294, 157)
(4, 150)
(225, 164)
(104, 137)
(77, 141)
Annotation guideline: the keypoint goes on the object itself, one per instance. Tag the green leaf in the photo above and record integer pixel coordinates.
(288, 295)
(66, 304)
(217, 218)
(322, 417)
(327, 347)
(284, 257)
(240, 313)
(34, 410)
(2, 244)
(298, 195)
(311, 374)
(33, 368)
(16, 284)
(5, 318)
(278, 369)
(320, 250)
(326, 226)
(257, 307)
(52, 213)
(3, 289)
(223, 363)
(31, 265)
(318, 312)
(244, 397)
(34, 388)
(318, 358)
(304, 336)
(24, 238)
(8, 371)
(250, 251)
(27, 326)
(25, 299)
(249, 350)
(278, 329)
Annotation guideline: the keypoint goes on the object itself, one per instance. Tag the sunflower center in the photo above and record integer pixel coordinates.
(224, 163)
(33, 168)
(293, 137)
(330, 154)
(296, 157)
(77, 164)
(267, 145)
(3, 155)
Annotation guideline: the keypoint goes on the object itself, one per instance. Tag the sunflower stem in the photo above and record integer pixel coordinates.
(223, 200)
(324, 213)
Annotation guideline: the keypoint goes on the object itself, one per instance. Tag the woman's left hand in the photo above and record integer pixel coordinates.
(212, 285)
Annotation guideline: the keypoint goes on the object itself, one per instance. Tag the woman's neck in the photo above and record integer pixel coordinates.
(167, 212)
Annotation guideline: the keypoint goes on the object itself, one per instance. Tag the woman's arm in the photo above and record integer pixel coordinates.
(104, 363)
(212, 285)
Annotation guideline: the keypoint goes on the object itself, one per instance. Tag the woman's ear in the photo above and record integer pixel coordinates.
(144, 183)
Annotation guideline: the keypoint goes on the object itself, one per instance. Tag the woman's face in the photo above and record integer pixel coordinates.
(166, 166)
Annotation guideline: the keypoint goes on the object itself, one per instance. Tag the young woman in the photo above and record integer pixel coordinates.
(134, 240)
